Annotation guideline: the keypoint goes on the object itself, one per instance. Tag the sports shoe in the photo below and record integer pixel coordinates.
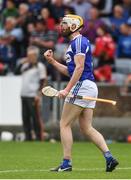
(111, 165)
(66, 165)
(61, 169)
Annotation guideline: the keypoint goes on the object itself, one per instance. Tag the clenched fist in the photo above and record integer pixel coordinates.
(49, 56)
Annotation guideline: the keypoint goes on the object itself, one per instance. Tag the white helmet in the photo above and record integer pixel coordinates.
(74, 22)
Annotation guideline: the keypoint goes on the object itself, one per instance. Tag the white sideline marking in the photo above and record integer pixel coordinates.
(47, 170)
(22, 170)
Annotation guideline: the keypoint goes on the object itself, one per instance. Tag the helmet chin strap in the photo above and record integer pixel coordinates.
(71, 32)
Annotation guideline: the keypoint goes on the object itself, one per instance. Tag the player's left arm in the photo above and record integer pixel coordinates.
(79, 62)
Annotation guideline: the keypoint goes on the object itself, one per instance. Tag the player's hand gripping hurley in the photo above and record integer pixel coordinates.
(51, 92)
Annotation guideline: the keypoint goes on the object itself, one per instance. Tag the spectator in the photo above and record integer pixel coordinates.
(35, 7)
(23, 11)
(103, 74)
(127, 8)
(105, 52)
(10, 10)
(105, 6)
(43, 38)
(30, 29)
(33, 78)
(50, 22)
(10, 38)
(91, 25)
(58, 9)
(117, 20)
(22, 21)
(124, 42)
(81, 8)
(24, 15)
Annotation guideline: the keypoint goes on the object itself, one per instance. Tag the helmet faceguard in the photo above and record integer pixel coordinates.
(73, 22)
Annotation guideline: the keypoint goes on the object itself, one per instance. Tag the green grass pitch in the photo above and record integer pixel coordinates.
(34, 159)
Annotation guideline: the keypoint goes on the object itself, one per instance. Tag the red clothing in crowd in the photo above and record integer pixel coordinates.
(50, 22)
(103, 73)
(105, 44)
(105, 52)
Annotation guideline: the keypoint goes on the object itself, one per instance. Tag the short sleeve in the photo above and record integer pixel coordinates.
(80, 46)
(42, 71)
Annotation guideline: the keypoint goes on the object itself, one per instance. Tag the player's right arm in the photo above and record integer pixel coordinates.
(60, 67)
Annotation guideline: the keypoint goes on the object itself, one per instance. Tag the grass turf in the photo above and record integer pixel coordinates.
(34, 159)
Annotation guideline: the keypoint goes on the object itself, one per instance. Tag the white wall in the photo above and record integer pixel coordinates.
(10, 102)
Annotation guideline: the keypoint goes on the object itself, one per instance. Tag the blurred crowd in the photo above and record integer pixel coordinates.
(23, 23)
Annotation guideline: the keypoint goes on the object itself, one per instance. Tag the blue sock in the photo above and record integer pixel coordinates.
(108, 156)
(66, 162)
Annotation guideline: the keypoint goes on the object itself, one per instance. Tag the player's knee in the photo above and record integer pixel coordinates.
(64, 124)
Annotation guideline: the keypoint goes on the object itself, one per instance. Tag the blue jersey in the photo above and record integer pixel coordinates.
(80, 46)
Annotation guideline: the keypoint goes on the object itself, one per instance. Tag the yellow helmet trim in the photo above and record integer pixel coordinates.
(71, 19)
(76, 17)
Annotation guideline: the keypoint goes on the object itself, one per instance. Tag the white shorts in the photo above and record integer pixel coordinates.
(83, 88)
